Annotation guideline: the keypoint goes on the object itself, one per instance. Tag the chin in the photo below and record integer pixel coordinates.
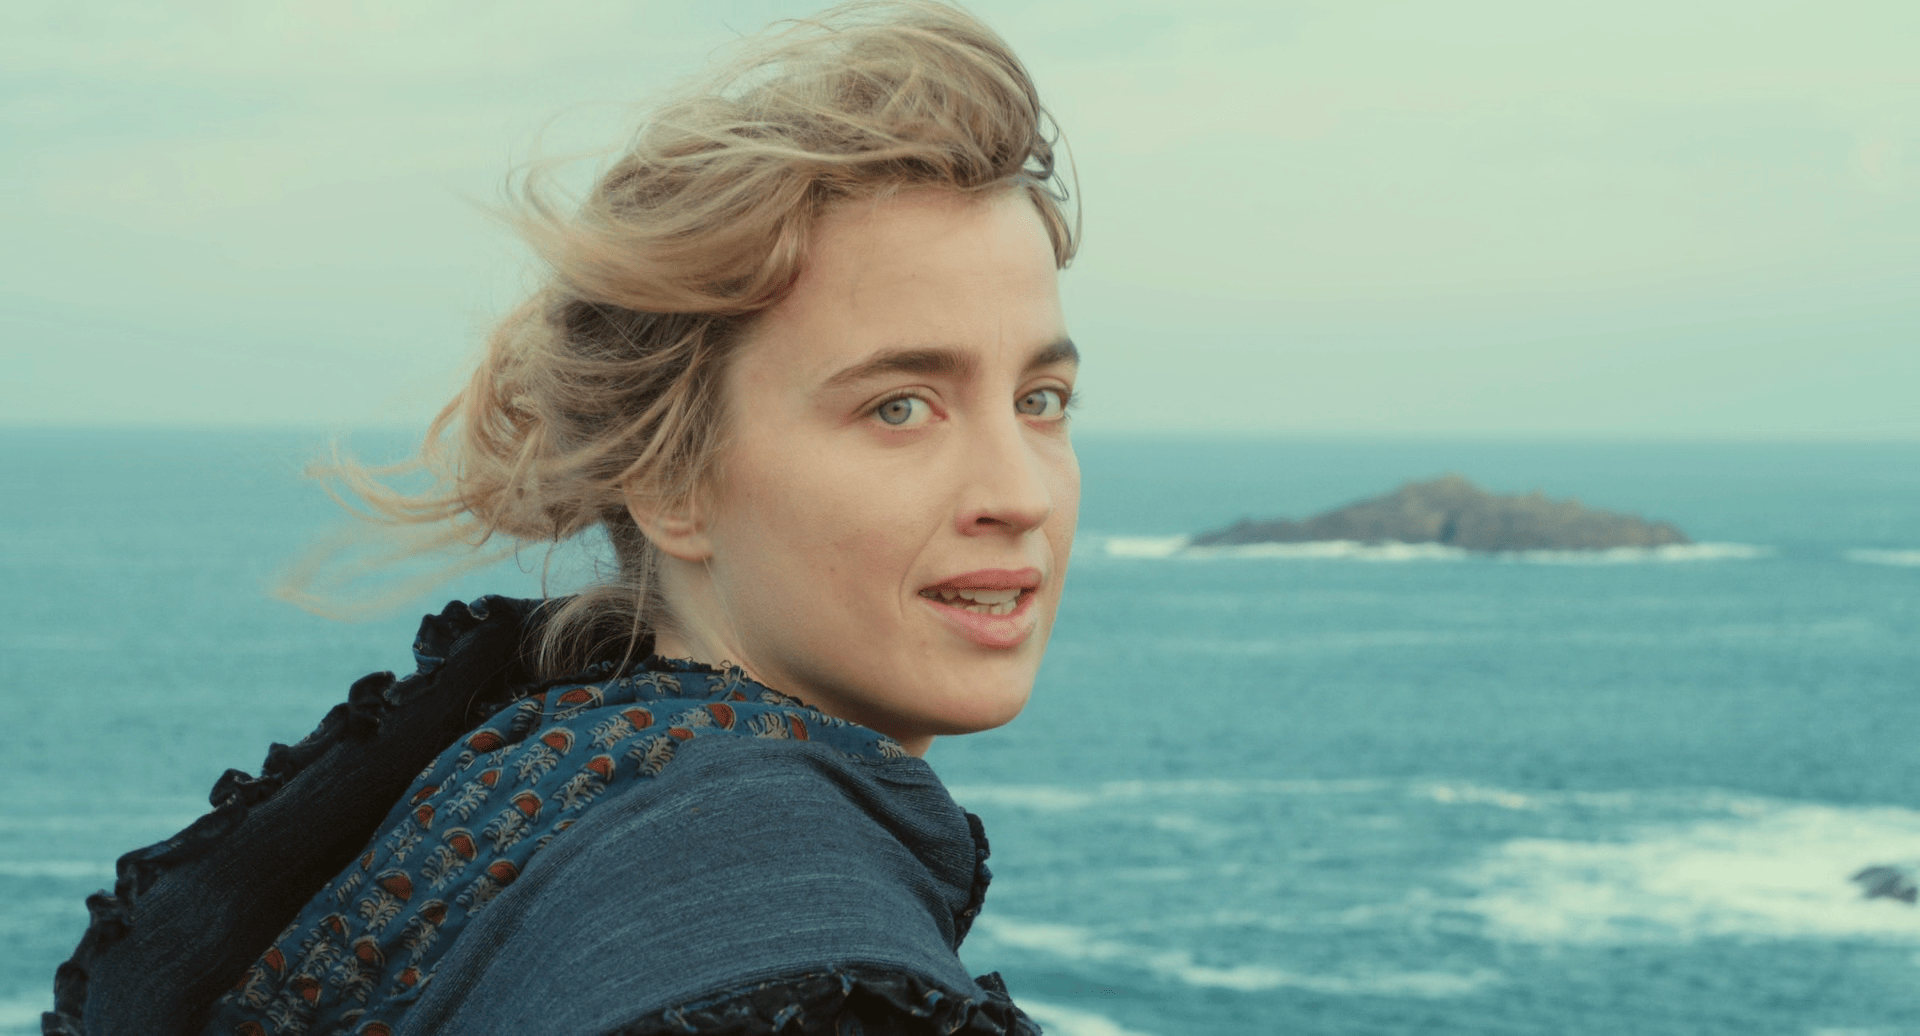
(990, 701)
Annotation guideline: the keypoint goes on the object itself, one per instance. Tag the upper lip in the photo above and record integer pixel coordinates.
(991, 579)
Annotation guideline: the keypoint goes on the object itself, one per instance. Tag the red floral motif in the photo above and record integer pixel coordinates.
(326, 970)
(397, 883)
(461, 841)
(306, 987)
(367, 949)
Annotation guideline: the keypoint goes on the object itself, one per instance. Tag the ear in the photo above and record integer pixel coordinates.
(674, 527)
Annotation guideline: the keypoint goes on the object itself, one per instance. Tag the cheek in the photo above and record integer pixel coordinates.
(821, 520)
(1066, 494)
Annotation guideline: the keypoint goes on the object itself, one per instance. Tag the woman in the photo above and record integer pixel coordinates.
(801, 359)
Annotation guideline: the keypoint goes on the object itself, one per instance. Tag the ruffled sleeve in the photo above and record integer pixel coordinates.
(845, 1002)
(187, 914)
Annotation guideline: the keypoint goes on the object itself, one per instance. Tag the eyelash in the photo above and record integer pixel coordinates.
(1067, 401)
(901, 398)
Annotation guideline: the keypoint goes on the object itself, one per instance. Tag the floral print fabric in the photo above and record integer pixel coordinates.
(365, 947)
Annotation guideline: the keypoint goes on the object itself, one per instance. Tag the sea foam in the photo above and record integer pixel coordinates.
(73, 870)
(1901, 558)
(1084, 946)
(22, 1015)
(1182, 548)
(1768, 871)
(1061, 798)
(1070, 1021)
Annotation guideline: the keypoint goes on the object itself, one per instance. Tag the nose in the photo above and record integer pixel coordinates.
(1008, 489)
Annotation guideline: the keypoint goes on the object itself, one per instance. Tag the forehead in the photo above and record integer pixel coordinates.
(917, 270)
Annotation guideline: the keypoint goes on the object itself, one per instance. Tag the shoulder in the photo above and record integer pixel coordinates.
(727, 872)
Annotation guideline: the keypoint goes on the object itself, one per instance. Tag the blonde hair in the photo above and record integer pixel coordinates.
(607, 381)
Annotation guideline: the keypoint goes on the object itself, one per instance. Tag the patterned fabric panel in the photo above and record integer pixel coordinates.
(366, 945)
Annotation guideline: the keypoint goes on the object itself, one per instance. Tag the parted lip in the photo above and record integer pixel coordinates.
(990, 579)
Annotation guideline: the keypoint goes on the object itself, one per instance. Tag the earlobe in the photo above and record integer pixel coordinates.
(673, 527)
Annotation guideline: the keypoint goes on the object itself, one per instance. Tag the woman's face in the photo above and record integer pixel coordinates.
(888, 532)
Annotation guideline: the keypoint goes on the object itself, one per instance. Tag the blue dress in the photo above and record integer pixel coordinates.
(651, 849)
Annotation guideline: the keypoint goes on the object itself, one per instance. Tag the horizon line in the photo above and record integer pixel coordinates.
(1480, 435)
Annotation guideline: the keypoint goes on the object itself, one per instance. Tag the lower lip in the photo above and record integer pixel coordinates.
(991, 631)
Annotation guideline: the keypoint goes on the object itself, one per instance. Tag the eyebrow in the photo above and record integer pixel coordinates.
(933, 362)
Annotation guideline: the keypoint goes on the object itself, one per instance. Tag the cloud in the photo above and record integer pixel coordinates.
(1294, 190)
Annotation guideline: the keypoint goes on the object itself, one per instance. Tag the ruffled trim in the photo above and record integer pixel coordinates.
(370, 701)
(982, 877)
(848, 1001)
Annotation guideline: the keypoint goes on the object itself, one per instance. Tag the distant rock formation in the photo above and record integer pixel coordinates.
(1887, 882)
(1453, 511)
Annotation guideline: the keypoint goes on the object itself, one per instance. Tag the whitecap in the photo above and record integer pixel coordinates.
(77, 870)
(1667, 553)
(1083, 946)
(1182, 548)
(1764, 870)
(1071, 1021)
(1145, 546)
(1338, 550)
(1901, 558)
(1063, 798)
(1475, 794)
(22, 1015)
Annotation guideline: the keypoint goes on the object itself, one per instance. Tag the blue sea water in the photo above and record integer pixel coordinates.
(1347, 791)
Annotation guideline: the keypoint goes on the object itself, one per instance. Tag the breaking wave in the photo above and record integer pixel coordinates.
(1071, 1021)
(21, 1015)
(1059, 798)
(1180, 547)
(1084, 946)
(1902, 558)
(1780, 871)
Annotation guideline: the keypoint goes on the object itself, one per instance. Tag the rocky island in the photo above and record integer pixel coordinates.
(1453, 511)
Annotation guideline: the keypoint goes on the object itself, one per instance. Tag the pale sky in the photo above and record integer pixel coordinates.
(1665, 218)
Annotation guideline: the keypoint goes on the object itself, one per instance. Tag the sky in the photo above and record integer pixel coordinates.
(1679, 219)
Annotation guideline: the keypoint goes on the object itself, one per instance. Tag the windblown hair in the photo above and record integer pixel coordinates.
(607, 382)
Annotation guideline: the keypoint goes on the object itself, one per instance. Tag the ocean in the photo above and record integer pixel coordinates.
(1331, 790)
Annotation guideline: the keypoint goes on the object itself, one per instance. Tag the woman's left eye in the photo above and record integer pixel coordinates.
(1047, 404)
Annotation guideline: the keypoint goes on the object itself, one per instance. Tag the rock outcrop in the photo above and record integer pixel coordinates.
(1453, 511)
(1881, 881)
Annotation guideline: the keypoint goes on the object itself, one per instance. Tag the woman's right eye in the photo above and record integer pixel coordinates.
(903, 411)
